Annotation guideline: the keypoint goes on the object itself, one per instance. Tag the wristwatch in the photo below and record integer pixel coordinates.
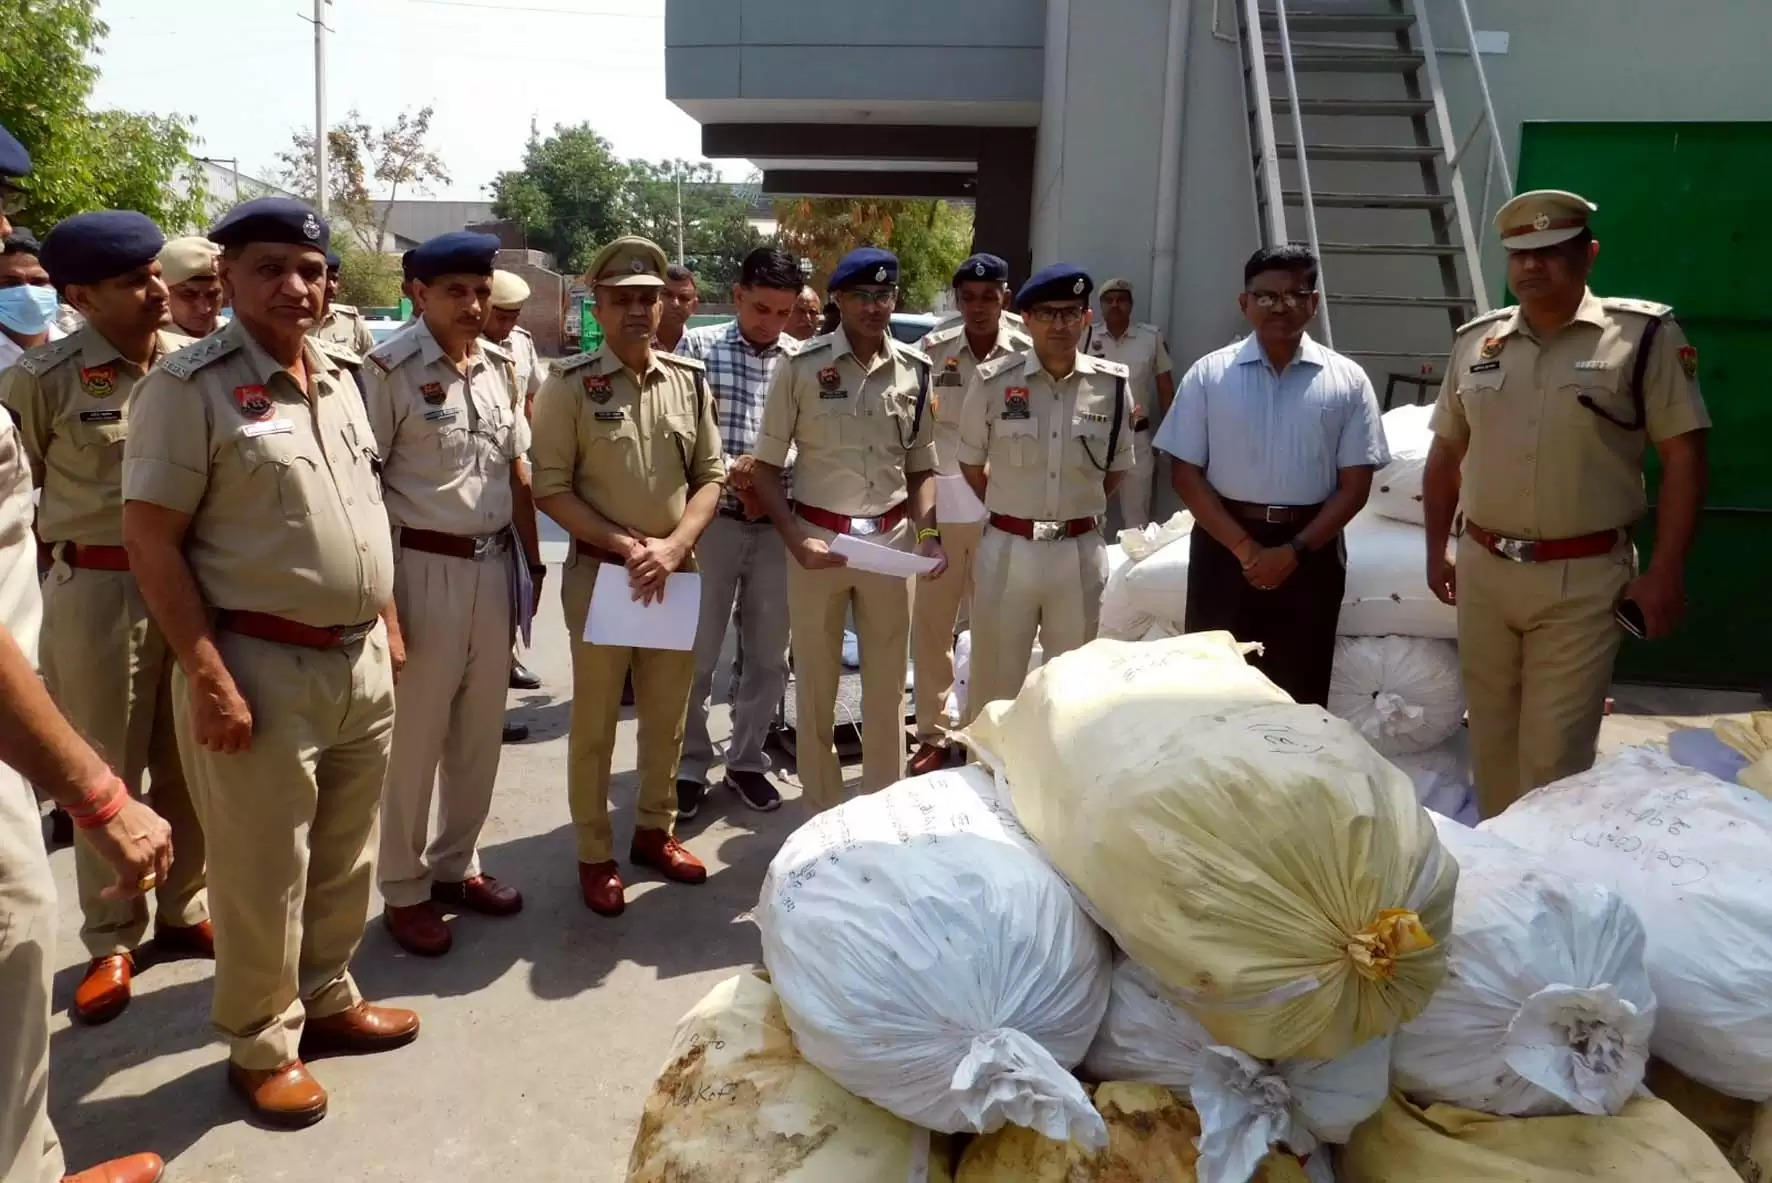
(1299, 545)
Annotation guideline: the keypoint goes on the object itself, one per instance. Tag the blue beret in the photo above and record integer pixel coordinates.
(333, 262)
(1060, 281)
(94, 246)
(14, 160)
(988, 267)
(272, 219)
(20, 242)
(865, 264)
(460, 252)
(406, 265)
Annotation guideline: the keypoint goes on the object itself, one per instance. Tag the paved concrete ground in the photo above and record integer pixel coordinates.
(541, 1032)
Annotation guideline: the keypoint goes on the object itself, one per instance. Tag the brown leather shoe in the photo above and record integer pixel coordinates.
(418, 929)
(482, 894)
(601, 886)
(661, 851)
(137, 1168)
(288, 1096)
(196, 939)
(363, 1029)
(104, 991)
(931, 757)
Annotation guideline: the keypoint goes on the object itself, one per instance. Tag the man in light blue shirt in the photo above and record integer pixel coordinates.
(1275, 440)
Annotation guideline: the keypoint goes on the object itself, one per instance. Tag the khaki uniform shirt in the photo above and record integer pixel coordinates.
(530, 373)
(1045, 438)
(447, 438)
(631, 446)
(953, 363)
(855, 426)
(1145, 356)
(343, 326)
(21, 602)
(282, 488)
(72, 399)
(1538, 463)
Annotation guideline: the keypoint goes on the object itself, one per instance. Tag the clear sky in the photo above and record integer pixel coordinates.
(245, 70)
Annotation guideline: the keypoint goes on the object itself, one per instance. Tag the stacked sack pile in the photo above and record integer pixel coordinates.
(1396, 674)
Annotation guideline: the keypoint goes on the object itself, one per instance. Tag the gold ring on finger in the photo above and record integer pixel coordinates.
(147, 882)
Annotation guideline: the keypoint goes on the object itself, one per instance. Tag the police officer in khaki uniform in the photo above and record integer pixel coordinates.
(1141, 349)
(448, 423)
(509, 292)
(855, 402)
(104, 659)
(342, 324)
(955, 352)
(254, 521)
(193, 286)
(1054, 428)
(1540, 429)
(627, 461)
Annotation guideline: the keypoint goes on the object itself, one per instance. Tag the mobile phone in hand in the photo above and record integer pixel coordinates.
(1630, 618)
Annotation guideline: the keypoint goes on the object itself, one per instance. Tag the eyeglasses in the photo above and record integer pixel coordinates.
(1046, 314)
(1287, 300)
(882, 296)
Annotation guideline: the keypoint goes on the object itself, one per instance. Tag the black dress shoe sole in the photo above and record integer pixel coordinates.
(769, 807)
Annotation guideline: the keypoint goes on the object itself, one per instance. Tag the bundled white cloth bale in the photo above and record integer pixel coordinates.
(1396, 488)
(1442, 778)
(1247, 1107)
(1546, 1007)
(1387, 592)
(1693, 855)
(955, 704)
(929, 960)
(1148, 590)
(1273, 871)
(1404, 694)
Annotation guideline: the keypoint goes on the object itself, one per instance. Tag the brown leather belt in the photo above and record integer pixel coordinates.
(96, 558)
(1542, 550)
(838, 524)
(595, 553)
(262, 626)
(455, 546)
(1043, 531)
(1273, 515)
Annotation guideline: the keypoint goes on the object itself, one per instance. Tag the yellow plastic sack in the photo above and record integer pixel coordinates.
(1151, 1136)
(735, 1103)
(1742, 1130)
(1647, 1142)
(1273, 871)
(1752, 737)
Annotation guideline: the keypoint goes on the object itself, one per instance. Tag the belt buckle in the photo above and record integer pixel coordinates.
(1267, 514)
(864, 527)
(1048, 531)
(350, 634)
(1517, 550)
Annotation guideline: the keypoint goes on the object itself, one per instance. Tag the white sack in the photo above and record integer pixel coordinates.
(1387, 592)
(929, 960)
(955, 703)
(1149, 590)
(1396, 488)
(1442, 778)
(1247, 1107)
(1693, 855)
(1546, 1008)
(1403, 694)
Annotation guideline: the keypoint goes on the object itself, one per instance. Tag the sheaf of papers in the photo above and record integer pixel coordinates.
(616, 618)
(955, 501)
(882, 560)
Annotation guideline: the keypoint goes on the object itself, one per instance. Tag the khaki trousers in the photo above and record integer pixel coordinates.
(1024, 588)
(1134, 493)
(110, 671)
(742, 563)
(662, 678)
(935, 612)
(291, 823)
(29, 1149)
(818, 602)
(455, 615)
(1536, 642)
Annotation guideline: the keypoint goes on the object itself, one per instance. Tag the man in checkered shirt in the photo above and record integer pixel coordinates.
(741, 556)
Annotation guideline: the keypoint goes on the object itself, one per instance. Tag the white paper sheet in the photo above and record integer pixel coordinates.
(884, 560)
(616, 618)
(955, 501)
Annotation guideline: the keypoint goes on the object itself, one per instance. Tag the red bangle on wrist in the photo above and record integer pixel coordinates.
(93, 819)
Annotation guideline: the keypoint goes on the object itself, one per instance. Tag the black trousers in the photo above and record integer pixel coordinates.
(1295, 622)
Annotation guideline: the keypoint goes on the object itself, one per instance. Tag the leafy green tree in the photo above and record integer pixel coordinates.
(930, 238)
(569, 196)
(361, 162)
(717, 233)
(367, 279)
(86, 159)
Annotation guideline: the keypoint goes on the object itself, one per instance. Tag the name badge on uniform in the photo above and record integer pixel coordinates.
(610, 416)
(830, 383)
(1015, 403)
(1593, 365)
(433, 393)
(1483, 367)
(442, 415)
(267, 427)
(112, 416)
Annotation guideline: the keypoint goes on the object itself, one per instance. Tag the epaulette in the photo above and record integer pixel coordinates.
(577, 361)
(999, 365)
(1641, 307)
(496, 352)
(1018, 340)
(173, 340)
(677, 359)
(45, 357)
(520, 331)
(824, 341)
(1497, 314)
(186, 362)
(915, 354)
(1145, 324)
(347, 310)
(391, 354)
(1104, 366)
(942, 334)
(344, 355)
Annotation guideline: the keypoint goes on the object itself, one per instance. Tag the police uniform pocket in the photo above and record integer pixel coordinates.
(825, 426)
(1088, 452)
(1598, 395)
(277, 470)
(1015, 442)
(613, 445)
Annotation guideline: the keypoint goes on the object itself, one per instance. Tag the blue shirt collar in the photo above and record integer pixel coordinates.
(1309, 353)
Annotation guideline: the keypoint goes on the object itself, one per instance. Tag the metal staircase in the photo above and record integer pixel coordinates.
(1365, 115)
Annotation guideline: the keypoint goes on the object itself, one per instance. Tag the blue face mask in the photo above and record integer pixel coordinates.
(28, 309)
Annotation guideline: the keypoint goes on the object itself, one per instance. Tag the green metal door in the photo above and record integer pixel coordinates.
(1685, 217)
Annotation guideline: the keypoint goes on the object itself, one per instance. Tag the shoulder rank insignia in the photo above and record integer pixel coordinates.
(187, 361)
(39, 361)
(677, 359)
(1495, 314)
(576, 362)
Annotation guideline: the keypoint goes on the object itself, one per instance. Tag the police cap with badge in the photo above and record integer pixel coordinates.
(1059, 281)
(280, 220)
(97, 245)
(1541, 218)
(629, 261)
(982, 268)
(185, 258)
(459, 252)
(864, 264)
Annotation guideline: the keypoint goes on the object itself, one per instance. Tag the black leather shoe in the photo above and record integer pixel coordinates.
(516, 732)
(522, 678)
(690, 795)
